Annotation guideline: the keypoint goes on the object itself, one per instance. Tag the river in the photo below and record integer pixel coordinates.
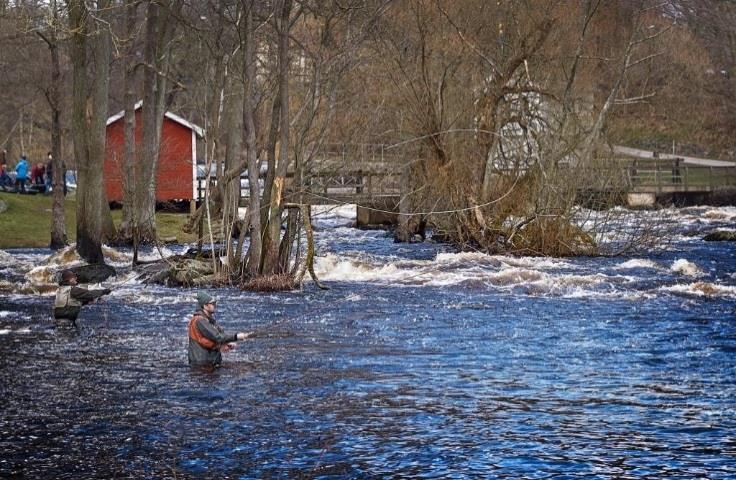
(419, 362)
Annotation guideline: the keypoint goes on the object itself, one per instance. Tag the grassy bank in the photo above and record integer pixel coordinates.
(27, 221)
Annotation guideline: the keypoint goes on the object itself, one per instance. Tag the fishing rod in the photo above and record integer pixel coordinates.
(117, 286)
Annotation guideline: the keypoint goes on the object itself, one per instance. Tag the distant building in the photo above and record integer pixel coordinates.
(181, 149)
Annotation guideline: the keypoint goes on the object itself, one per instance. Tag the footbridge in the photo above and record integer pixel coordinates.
(372, 177)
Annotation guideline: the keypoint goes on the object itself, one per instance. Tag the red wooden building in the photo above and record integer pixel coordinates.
(178, 157)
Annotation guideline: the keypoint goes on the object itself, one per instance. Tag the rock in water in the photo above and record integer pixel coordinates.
(179, 271)
(720, 236)
(191, 272)
(93, 273)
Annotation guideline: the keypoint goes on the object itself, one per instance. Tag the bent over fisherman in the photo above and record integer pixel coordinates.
(70, 298)
(207, 339)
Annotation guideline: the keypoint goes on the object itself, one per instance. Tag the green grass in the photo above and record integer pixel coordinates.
(27, 221)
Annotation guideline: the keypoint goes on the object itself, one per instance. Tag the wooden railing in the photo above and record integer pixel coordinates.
(676, 176)
(651, 176)
(338, 185)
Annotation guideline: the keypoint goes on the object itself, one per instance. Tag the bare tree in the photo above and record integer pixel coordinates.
(158, 36)
(54, 99)
(283, 23)
(250, 47)
(127, 233)
(90, 34)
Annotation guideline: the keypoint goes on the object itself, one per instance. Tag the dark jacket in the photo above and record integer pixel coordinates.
(68, 308)
(208, 328)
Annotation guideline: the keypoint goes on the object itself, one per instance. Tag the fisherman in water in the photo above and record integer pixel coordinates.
(207, 339)
(70, 298)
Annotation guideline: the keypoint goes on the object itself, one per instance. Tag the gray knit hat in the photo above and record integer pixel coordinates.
(67, 275)
(203, 298)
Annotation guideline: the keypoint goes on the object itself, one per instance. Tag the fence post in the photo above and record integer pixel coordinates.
(634, 174)
(686, 180)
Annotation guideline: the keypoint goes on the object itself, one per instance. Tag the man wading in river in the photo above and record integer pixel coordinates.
(70, 298)
(206, 339)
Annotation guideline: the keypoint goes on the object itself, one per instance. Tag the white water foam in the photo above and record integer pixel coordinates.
(726, 214)
(686, 268)
(155, 298)
(702, 289)
(21, 331)
(475, 269)
(636, 263)
(331, 216)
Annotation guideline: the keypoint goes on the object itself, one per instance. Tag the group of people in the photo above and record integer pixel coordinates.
(39, 177)
(207, 339)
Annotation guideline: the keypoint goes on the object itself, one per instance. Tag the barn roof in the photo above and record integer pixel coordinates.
(171, 116)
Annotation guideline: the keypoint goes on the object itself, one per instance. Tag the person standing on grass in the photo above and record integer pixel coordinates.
(21, 174)
(207, 340)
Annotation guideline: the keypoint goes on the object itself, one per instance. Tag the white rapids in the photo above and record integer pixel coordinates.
(347, 254)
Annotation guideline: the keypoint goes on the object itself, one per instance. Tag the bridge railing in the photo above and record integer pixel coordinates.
(357, 182)
(658, 176)
(674, 175)
(338, 185)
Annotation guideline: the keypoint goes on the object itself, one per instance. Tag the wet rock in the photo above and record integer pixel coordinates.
(190, 271)
(156, 272)
(193, 252)
(93, 273)
(179, 271)
(720, 236)
(417, 239)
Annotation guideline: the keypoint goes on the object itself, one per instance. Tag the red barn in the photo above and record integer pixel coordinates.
(177, 167)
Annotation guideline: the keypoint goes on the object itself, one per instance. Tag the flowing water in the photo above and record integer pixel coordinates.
(419, 362)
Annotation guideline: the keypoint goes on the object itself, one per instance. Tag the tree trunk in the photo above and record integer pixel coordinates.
(159, 30)
(254, 165)
(403, 230)
(88, 126)
(130, 193)
(292, 225)
(271, 257)
(98, 126)
(233, 153)
(58, 226)
(148, 166)
(273, 133)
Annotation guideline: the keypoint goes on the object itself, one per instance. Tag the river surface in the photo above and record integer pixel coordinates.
(419, 362)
